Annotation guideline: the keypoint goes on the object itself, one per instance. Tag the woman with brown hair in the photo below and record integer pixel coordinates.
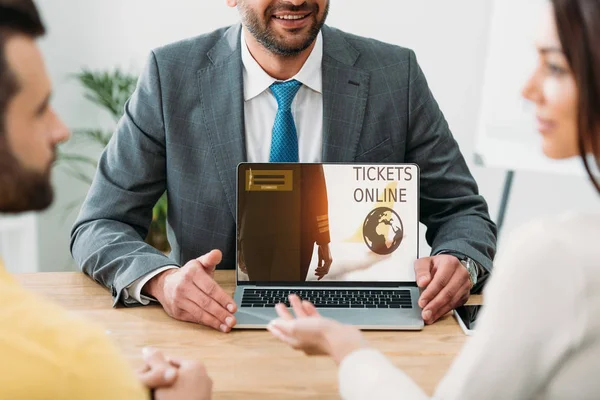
(539, 336)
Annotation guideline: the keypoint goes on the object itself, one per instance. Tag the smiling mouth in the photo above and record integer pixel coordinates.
(291, 17)
(545, 126)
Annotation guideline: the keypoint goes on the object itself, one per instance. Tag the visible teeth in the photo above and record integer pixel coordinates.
(290, 17)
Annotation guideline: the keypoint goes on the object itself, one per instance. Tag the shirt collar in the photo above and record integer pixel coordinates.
(256, 80)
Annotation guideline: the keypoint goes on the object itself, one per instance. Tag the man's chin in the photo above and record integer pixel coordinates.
(29, 205)
(293, 38)
(26, 196)
(293, 49)
(43, 202)
(291, 44)
(22, 189)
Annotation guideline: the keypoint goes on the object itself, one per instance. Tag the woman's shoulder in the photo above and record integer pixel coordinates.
(569, 240)
(564, 232)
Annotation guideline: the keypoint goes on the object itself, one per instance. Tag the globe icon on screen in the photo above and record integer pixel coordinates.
(383, 230)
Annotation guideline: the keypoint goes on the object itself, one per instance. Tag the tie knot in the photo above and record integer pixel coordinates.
(285, 92)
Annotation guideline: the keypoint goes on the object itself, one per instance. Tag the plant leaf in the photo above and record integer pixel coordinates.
(67, 157)
(78, 175)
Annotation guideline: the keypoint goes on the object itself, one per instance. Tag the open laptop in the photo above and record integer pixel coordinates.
(344, 236)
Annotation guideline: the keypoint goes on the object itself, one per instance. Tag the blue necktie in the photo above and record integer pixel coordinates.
(284, 143)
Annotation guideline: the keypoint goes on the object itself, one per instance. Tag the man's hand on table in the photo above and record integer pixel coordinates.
(191, 294)
(173, 378)
(446, 285)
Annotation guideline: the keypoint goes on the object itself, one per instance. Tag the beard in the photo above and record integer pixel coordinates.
(21, 189)
(264, 34)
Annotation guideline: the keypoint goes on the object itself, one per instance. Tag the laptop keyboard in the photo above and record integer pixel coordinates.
(335, 298)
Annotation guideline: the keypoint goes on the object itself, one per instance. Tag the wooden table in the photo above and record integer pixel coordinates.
(245, 364)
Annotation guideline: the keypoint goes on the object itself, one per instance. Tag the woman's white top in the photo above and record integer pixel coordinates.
(538, 336)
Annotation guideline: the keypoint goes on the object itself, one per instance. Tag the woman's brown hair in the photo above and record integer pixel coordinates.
(578, 24)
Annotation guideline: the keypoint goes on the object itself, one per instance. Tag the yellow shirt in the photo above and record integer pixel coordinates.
(46, 353)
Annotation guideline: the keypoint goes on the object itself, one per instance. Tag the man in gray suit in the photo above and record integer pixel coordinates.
(281, 86)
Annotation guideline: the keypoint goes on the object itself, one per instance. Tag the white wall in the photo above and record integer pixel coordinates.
(450, 38)
(19, 242)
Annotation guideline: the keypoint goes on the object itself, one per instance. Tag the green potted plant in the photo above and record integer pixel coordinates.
(109, 90)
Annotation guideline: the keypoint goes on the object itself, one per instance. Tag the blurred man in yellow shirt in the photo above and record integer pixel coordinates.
(46, 353)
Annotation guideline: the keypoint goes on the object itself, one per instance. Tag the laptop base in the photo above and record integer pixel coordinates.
(362, 318)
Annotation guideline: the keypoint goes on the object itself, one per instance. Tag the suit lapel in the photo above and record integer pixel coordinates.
(222, 102)
(345, 93)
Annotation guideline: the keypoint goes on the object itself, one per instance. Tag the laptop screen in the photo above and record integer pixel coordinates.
(322, 224)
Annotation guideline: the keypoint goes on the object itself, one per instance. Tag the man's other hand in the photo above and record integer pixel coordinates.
(191, 294)
(242, 262)
(157, 371)
(174, 378)
(446, 285)
(325, 261)
(192, 382)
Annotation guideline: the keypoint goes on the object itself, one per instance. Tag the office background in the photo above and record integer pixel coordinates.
(450, 40)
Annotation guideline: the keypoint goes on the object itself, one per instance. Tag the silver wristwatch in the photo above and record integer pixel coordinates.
(472, 269)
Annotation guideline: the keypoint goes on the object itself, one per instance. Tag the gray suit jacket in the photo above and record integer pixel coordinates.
(183, 132)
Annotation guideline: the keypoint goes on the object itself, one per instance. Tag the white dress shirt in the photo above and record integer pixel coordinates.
(538, 336)
(260, 109)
